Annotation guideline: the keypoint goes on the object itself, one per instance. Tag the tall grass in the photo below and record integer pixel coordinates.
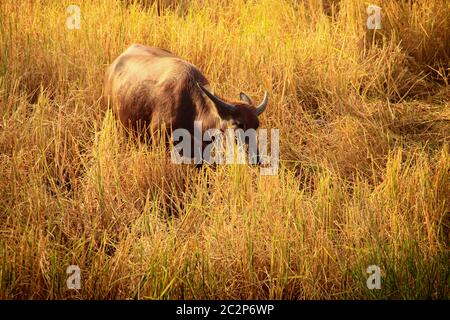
(364, 126)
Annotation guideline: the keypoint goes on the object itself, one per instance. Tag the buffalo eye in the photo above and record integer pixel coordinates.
(239, 124)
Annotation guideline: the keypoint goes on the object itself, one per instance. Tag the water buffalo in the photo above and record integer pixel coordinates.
(149, 86)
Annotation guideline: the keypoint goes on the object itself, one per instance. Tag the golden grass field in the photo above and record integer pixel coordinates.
(364, 123)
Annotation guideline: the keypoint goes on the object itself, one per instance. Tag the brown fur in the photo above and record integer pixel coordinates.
(150, 86)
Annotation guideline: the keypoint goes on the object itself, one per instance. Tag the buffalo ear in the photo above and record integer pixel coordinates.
(245, 98)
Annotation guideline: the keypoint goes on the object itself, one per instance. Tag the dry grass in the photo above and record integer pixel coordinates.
(364, 126)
